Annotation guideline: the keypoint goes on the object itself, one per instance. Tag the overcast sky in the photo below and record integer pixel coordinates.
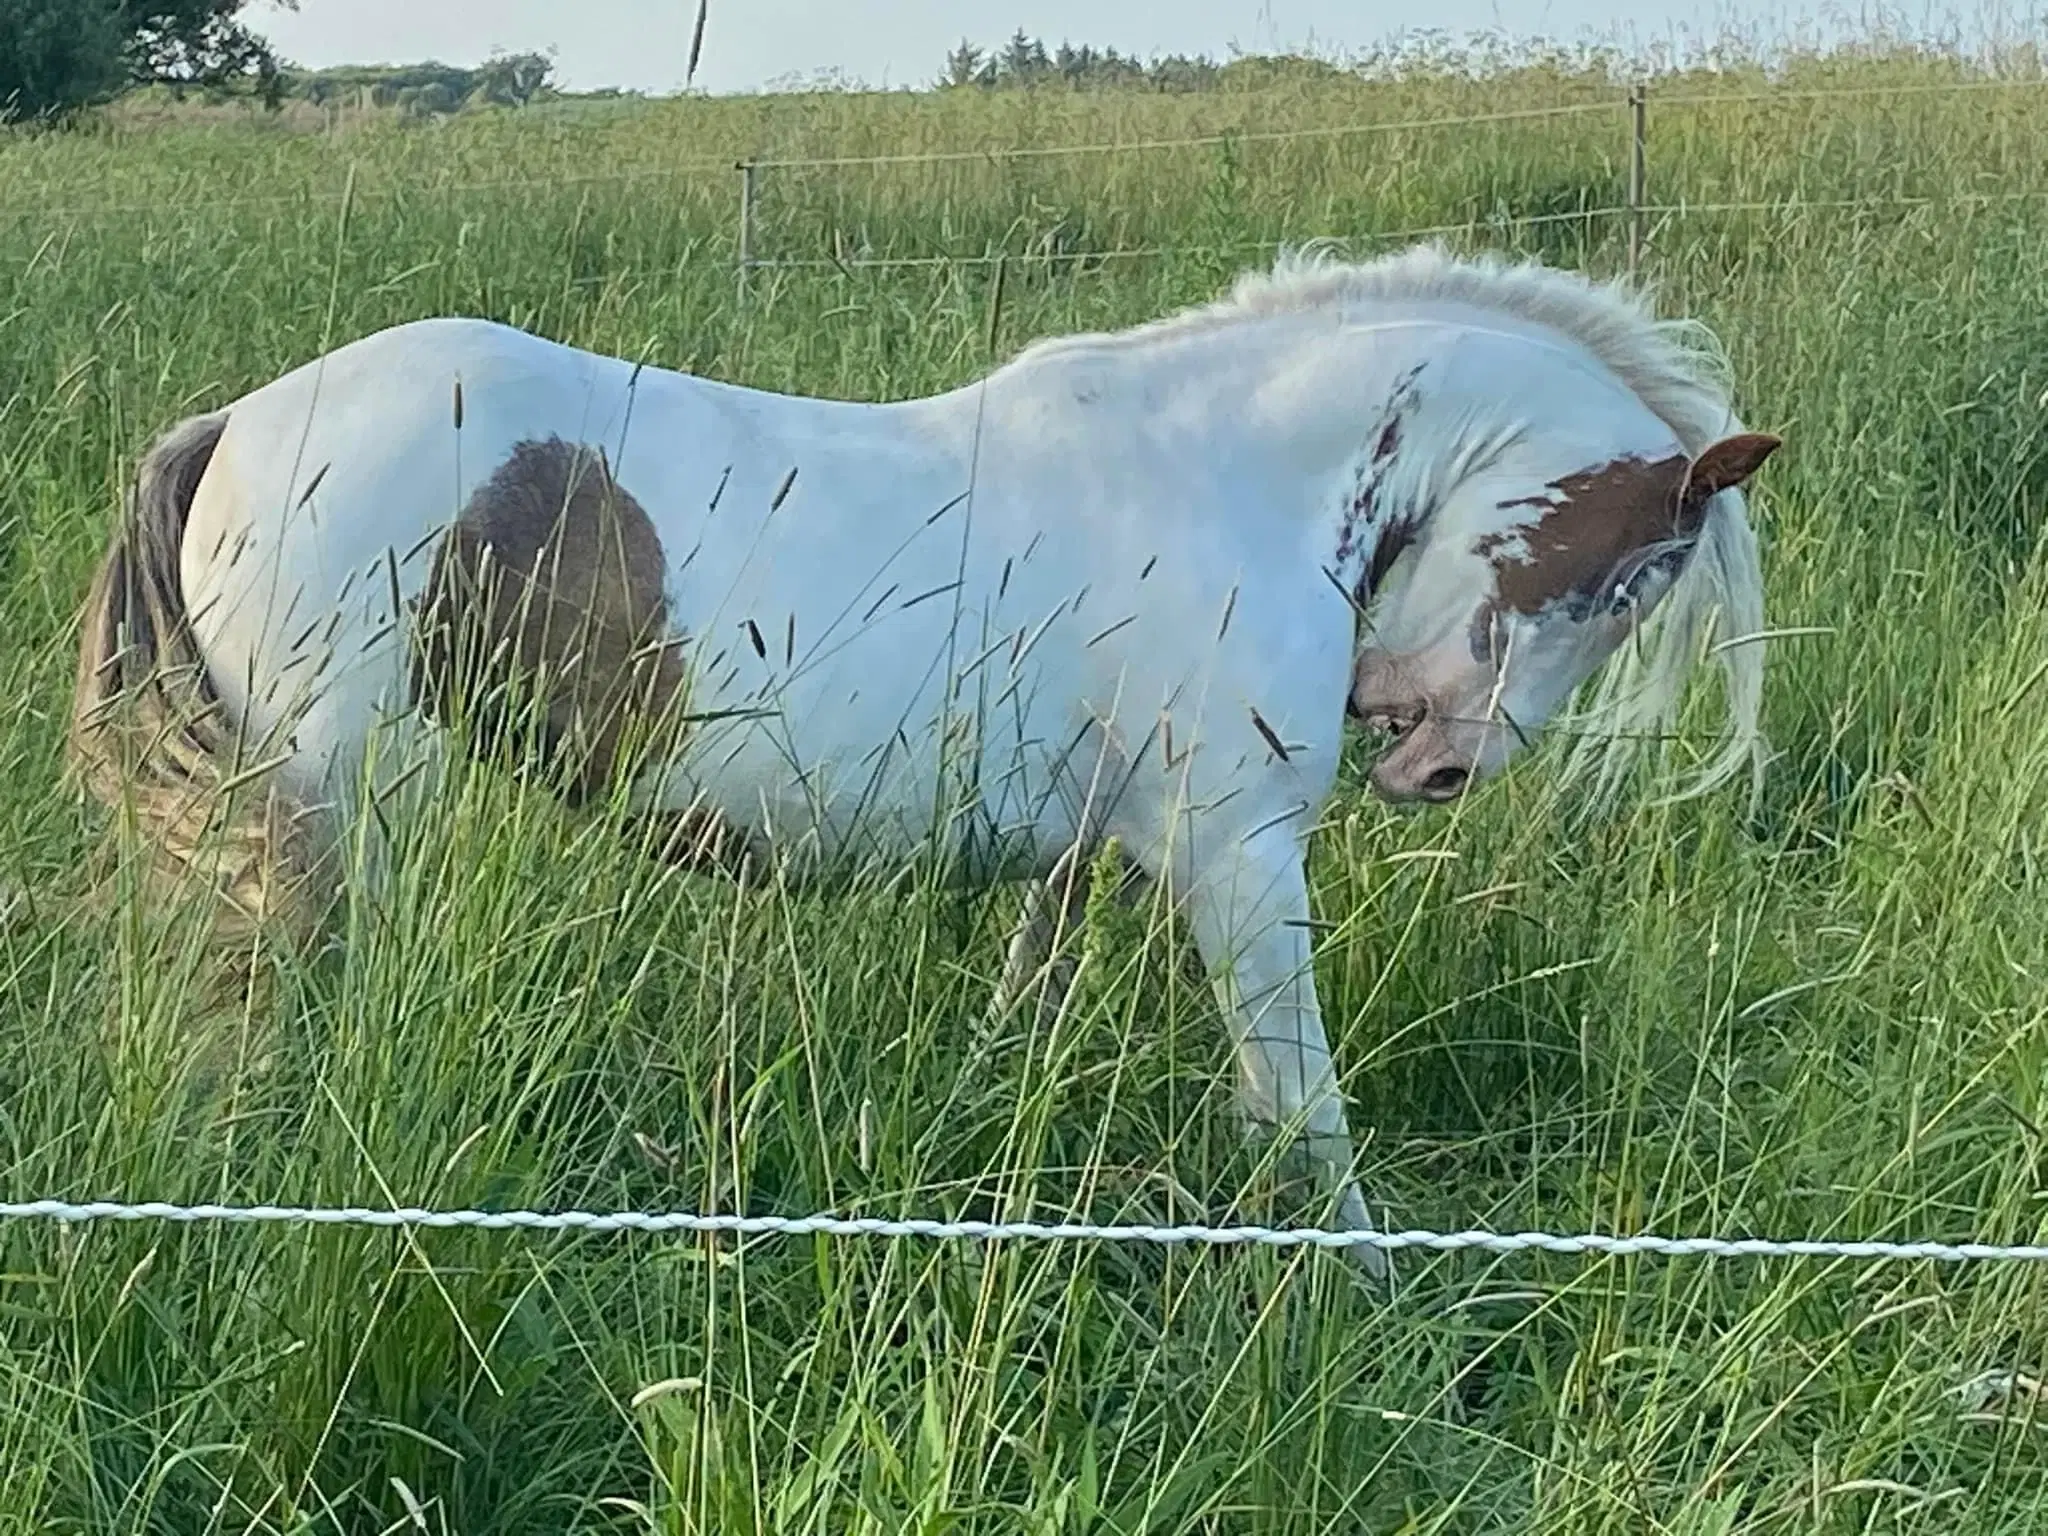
(644, 44)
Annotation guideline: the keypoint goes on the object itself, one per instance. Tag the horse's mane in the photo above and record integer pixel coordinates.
(1676, 368)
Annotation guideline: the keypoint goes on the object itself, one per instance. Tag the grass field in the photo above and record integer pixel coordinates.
(1825, 1017)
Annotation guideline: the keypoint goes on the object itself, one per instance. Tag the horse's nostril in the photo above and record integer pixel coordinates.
(1445, 782)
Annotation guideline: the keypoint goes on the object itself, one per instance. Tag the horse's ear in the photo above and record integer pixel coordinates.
(1722, 466)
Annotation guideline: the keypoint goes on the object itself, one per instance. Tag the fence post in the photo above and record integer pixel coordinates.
(746, 170)
(1638, 103)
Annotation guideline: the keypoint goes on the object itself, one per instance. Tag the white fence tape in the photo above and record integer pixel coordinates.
(1028, 1231)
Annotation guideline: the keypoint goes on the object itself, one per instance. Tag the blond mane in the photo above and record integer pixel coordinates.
(1676, 368)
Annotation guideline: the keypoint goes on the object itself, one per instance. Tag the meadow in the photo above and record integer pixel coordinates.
(1821, 1014)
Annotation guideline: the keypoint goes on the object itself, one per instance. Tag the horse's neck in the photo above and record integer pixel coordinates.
(1365, 416)
(1445, 395)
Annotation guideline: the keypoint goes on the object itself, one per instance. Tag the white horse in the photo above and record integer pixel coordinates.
(1114, 589)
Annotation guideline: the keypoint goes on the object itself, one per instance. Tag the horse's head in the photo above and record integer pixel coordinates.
(1517, 589)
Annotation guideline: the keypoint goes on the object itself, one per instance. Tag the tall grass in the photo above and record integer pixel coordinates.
(1825, 1017)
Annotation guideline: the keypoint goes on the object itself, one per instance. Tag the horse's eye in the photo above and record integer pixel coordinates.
(1631, 582)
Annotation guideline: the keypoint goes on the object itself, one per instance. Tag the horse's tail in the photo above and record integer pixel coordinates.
(150, 737)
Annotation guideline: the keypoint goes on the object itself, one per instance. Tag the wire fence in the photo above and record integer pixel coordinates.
(826, 1224)
(1632, 103)
(1505, 223)
(1368, 129)
(1199, 141)
(321, 199)
(1638, 210)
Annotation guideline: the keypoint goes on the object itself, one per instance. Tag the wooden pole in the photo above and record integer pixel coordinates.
(995, 308)
(746, 170)
(1638, 172)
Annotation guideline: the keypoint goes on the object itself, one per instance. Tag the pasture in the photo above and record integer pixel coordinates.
(1821, 1015)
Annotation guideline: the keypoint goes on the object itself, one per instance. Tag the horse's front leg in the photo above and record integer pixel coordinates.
(1250, 919)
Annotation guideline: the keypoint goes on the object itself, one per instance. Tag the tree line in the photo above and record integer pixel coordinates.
(502, 80)
(58, 55)
(1025, 61)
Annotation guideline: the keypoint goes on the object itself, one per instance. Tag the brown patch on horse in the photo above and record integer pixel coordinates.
(544, 624)
(1394, 533)
(1600, 516)
(1597, 518)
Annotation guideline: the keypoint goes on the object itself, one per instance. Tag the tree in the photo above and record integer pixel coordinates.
(965, 66)
(512, 79)
(59, 54)
(55, 53)
(198, 43)
(1088, 66)
(1023, 60)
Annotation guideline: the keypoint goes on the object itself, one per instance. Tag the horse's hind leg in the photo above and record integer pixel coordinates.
(1054, 908)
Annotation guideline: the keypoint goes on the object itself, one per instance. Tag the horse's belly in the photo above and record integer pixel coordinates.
(878, 779)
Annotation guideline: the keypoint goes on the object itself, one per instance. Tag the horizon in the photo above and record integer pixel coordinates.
(770, 46)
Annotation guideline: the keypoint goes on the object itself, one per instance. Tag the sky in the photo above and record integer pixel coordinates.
(753, 44)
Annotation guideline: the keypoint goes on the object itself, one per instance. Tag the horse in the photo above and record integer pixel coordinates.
(1128, 585)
